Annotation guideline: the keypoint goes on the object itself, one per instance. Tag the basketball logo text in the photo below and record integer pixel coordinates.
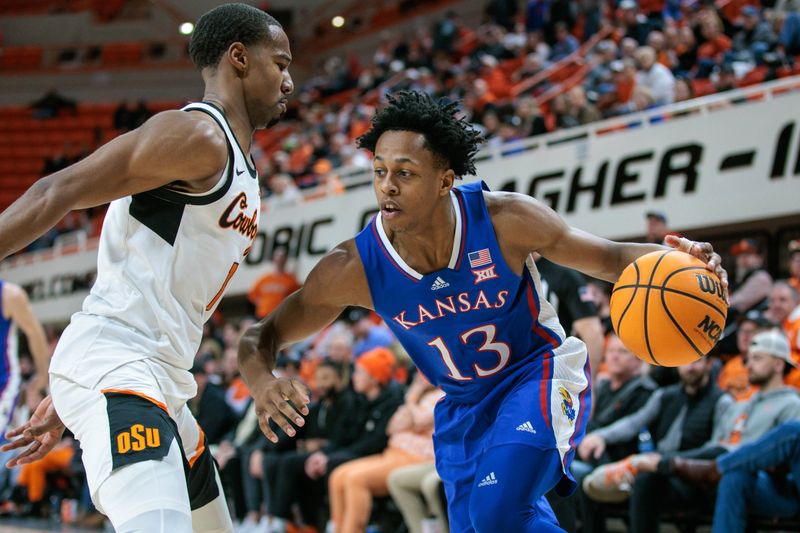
(137, 439)
(484, 274)
(709, 285)
(710, 328)
(245, 224)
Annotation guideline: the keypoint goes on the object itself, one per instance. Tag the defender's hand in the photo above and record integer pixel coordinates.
(704, 252)
(273, 398)
(38, 435)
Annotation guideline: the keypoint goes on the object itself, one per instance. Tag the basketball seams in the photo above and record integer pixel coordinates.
(678, 326)
(677, 291)
(633, 297)
(646, 305)
(684, 269)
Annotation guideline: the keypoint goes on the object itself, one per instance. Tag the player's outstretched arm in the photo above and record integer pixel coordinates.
(171, 145)
(527, 225)
(336, 282)
(19, 309)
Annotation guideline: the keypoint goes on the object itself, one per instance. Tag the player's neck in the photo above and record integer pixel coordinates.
(428, 246)
(234, 112)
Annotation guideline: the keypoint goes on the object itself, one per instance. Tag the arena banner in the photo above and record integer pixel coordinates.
(713, 166)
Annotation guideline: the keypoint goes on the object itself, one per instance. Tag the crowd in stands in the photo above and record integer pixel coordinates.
(659, 440)
(524, 71)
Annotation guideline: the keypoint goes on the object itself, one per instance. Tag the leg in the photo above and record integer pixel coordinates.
(434, 497)
(644, 506)
(140, 484)
(779, 446)
(365, 479)
(405, 486)
(508, 492)
(291, 480)
(336, 494)
(207, 499)
(149, 496)
(741, 491)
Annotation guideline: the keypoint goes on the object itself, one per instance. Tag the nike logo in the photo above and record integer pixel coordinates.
(239, 172)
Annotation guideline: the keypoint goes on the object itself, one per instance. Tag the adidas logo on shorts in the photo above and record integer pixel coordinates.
(488, 480)
(527, 426)
(439, 284)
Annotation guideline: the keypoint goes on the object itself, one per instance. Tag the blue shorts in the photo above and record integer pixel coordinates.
(545, 405)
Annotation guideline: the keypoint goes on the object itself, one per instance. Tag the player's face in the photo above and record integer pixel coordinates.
(409, 180)
(267, 84)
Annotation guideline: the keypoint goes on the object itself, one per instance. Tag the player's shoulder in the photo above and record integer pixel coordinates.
(341, 274)
(511, 204)
(198, 130)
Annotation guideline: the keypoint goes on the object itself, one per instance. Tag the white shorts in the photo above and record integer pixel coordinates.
(125, 419)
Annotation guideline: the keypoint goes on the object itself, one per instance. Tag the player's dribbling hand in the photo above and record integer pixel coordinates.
(285, 402)
(40, 434)
(704, 252)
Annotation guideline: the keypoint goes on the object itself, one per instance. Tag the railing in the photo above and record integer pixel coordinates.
(355, 177)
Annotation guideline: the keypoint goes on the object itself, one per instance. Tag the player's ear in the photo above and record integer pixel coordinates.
(447, 180)
(237, 56)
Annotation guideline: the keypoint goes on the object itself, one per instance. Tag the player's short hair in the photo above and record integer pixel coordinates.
(451, 138)
(224, 25)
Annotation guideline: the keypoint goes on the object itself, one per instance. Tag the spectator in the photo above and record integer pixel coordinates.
(283, 191)
(676, 417)
(123, 117)
(657, 489)
(565, 43)
(581, 109)
(789, 38)
(752, 283)
(655, 76)
(733, 378)
(621, 392)
(51, 104)
(209, 407)
(368, 334)
(567, 292)
(633, 23)
(683, 90)
(794, 264)
(272, 288)
(753, 37)
(302, 478)
(354, 484)
(417, 490)
(752, 479)
(657, 228)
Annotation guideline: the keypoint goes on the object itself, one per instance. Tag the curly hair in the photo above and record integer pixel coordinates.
(451, 139)
(224, 25)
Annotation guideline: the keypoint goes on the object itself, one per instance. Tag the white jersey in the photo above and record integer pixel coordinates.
(164, 261)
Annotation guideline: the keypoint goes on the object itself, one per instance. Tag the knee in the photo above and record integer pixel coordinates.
(396, 481)
(793, 427)
(736, 481)
(338, 478)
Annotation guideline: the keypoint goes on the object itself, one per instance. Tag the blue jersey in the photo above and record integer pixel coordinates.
(472, 324)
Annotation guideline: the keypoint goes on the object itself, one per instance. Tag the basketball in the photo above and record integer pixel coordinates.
(668, 309)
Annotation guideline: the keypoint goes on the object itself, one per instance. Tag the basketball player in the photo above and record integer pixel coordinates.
(15, 310)
(449, 270)
(184, 210)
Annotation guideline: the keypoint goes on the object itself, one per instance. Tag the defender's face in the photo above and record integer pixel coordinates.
(267, 83)
(409, 180)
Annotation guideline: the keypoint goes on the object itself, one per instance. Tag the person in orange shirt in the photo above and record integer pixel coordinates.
(271, 289)
(784, 309)
(733, 377)
(794, 264)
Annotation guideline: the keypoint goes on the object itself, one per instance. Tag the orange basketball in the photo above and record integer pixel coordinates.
(668, 309)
